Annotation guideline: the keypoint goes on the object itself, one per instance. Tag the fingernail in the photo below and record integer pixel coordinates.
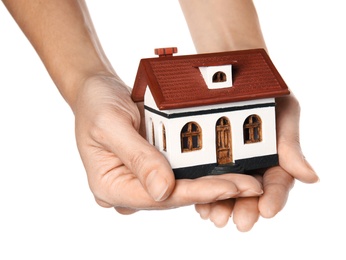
(157, 186)
(250, 193)
(228, 195)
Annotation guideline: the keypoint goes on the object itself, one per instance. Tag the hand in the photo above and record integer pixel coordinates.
(277, 181)
(126, 172)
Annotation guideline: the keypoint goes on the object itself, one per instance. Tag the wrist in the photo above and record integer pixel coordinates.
(93, 83)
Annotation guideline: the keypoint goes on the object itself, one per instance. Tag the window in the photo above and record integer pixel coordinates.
(152, 133)
(252, 129)
(191, 137)
(164, 145)
(219, 77)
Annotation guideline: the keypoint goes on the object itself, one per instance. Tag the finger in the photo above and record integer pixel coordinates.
(247, 185)
(221, 211)
(291, 158)
(277, 184)
(189, 192)
(245, 213)
(213, 188)
(144, 160)
(125, 190)
(125, 211)
(203, 210)
(290, 154)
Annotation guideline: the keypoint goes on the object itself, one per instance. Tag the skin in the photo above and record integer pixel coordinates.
(131, 179)
(226, 25)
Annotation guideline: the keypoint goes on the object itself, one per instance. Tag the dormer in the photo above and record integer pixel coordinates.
(217, 77)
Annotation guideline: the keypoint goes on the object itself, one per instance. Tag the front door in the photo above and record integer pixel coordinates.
(223, 141)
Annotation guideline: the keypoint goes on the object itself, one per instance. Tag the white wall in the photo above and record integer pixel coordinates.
(207, 123)
(47, 210)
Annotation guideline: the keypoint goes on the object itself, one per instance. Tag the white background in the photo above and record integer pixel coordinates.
(46, 208)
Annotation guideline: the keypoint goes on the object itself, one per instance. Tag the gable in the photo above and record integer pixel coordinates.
(177, 82)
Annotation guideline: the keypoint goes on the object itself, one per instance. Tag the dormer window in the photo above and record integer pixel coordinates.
(217, 77)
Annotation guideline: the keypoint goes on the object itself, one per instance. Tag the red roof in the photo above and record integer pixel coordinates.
(176, 81)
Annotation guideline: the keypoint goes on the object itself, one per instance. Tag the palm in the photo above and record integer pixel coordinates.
(124, 170)
(276, 181)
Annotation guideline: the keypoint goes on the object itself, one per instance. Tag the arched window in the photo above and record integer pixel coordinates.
(219, 77)
(191, 137)
(164, 145)
(252, 129)
(153, 133)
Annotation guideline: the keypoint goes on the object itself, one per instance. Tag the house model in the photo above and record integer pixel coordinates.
(211, 113)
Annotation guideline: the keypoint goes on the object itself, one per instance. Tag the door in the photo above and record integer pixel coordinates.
(223, 141)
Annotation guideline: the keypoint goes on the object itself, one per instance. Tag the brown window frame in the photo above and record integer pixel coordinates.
(191, 137)
(164, 143)
(153, 133)
(219, 76)
(252, 129)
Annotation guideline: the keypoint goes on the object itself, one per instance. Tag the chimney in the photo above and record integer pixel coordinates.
(166, 52)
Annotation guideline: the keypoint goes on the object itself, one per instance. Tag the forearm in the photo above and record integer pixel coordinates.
(63, 36)
(223, 25)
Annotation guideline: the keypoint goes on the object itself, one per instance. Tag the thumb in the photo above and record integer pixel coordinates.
(145, 162)
(293, 161)
(291, 157)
